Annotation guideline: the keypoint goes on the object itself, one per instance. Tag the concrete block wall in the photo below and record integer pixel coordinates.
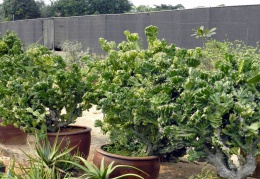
(30, 31)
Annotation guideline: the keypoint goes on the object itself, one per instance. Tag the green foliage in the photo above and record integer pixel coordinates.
(65, 8)
(205, 174)
(44, 8)
(215, 50)
(53, 156)
(74, 53)
(108, 6)
(137, 85)
(144, 8)
(157, 100)
(39, 92)
(168, 7)
(93, 172)
(18, 10)
(10, 44)
(204, 34)
(50, 162)
(218, 111)
(141, 8)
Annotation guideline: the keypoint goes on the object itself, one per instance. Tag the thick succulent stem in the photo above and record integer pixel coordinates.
(241, 172)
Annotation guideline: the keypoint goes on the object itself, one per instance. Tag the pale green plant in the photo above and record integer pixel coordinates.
(74, 52)
(50, 161)
(135, 85)
(39, 92)
(53, 156)
(215, 50)
(206, 173)
(93, 172)
(217, 113)
(204, 34)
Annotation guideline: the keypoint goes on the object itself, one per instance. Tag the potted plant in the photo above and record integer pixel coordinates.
(10, 45)
(41, 94)
(136, 86)
(217, 114)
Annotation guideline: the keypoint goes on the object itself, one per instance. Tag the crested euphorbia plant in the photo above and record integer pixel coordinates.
(39, 92)
(135, 86)
(218, 114)
(157, 100)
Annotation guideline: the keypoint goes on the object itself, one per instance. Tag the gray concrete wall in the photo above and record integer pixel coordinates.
(30, 31)
(84, 29)
(236, 23)
(233, 23)
(48, 33)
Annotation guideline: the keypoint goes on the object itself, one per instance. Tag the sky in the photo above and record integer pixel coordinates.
(188, 4)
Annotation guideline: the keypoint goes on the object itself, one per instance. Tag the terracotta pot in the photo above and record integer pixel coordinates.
(76, 136)
(150, 164)
(257, 169)
(11, 135)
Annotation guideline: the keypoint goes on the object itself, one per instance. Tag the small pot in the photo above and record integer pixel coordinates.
(150, 164)
(76, 136)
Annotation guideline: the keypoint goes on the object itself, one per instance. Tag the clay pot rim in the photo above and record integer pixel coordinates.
(87, 129)
(99, 150)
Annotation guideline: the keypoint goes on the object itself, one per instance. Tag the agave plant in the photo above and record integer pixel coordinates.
(50, 161)
(33, 171)
(93, 172)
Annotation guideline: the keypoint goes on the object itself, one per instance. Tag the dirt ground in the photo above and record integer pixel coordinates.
(168, 170)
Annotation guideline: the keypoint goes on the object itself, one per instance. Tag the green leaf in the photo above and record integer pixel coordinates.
(241, 66)
(254, 79)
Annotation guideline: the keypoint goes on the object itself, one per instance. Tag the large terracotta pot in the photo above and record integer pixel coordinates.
(257, 169)
(11, 135)
(76, 136)
(150, 164)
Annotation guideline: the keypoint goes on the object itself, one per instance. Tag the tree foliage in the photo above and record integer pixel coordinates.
(17, 10)
(108, 6)
(168, 7)
(65, 8)
(44, 8)
(144, 8)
